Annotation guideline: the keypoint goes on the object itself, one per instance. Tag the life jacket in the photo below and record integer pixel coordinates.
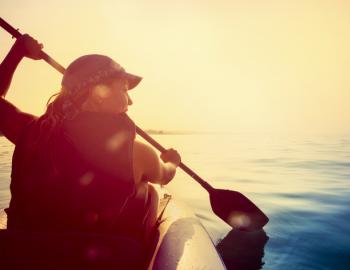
(78, 180)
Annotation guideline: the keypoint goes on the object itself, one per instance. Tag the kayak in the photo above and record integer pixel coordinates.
(179, 242)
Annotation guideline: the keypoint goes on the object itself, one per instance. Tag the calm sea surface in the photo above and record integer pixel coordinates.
(301, 182)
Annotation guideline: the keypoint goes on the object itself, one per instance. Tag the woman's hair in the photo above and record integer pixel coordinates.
(60, 106)
(65, 105)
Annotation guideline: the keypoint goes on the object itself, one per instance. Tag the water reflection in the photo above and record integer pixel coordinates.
(243, 250)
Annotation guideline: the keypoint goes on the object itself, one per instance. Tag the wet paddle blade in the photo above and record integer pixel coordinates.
(237, 210)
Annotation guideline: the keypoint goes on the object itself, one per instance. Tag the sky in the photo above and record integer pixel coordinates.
(218, 66)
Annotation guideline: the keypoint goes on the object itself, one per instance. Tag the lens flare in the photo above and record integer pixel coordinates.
(116, 141)
(91, 217)
(86, 179)
(98, 252)
(102, 91)
(239, 220)
(91, 253)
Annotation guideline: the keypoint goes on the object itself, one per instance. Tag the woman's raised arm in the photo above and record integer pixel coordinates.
(25, 46)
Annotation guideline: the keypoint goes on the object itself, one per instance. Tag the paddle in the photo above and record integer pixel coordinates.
(231, 206)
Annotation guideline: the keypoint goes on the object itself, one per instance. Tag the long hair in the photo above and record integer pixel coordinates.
(65, 105)
(61, 106)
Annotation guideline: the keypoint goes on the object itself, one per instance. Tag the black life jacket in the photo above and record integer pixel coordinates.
(78, 180)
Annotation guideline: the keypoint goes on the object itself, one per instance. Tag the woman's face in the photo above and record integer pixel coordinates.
(112, 97)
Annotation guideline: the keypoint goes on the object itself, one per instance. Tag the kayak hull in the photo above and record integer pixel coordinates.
(183, 242)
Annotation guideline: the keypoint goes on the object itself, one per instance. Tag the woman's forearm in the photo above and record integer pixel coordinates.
(7, 69)
(169, 171)
(25, 46)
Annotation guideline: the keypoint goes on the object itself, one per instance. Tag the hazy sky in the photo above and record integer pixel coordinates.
(207, 65)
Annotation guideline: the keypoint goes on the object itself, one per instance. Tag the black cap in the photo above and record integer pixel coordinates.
(92, 69)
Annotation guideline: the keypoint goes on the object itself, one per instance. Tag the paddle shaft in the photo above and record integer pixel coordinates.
(15, 33)
(186, 169)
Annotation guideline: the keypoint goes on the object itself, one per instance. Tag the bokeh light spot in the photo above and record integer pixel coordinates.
(115, 141)
(239, 220)
(86, 179)
(102, 91)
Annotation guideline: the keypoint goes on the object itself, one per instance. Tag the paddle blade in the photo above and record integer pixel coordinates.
(237, 210)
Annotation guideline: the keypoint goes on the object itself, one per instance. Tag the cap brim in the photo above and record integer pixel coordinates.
(133, 80)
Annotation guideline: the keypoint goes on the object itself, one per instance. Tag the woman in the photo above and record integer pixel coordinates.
(78, 167)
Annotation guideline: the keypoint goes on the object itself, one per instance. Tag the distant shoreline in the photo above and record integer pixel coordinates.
(167, 132)
(175, 132)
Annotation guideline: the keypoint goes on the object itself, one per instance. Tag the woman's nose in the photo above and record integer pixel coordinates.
(129, 101)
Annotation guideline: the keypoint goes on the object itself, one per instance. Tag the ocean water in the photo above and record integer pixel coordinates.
(302, 182)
